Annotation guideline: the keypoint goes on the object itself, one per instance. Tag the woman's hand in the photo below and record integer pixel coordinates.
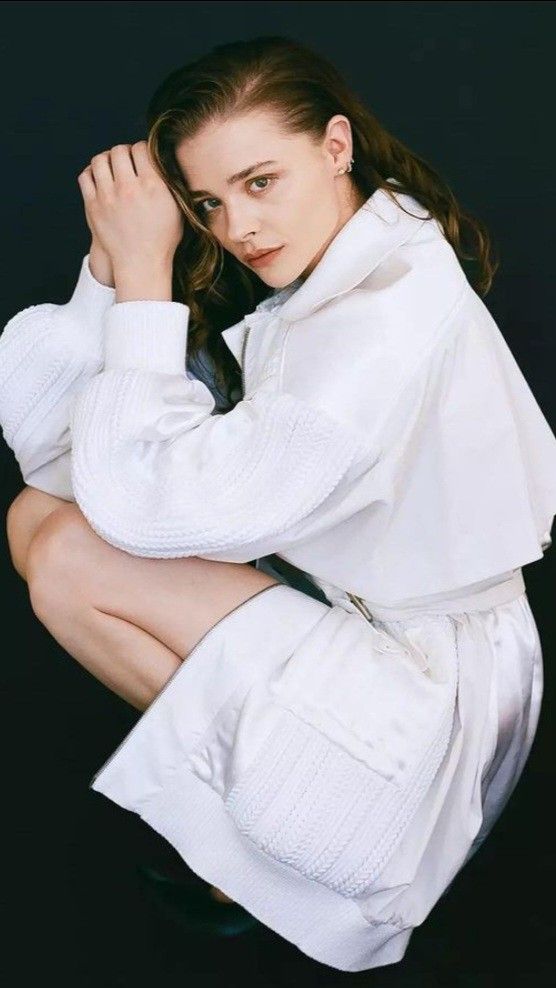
(130, 209)
(100, 264)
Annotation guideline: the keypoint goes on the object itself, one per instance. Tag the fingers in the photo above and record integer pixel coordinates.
(142, 158)
(86, 184)
(102, 171)
(121, 160)
(119, 164)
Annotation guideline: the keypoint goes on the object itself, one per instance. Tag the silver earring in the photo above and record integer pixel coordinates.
(342, 171)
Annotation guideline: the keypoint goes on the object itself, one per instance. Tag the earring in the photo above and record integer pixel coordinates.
(342, 171)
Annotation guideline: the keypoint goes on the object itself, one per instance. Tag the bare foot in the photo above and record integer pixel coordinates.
(219, 895)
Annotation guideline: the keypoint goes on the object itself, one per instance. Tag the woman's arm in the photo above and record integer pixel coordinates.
(47, 353)
(157, 473)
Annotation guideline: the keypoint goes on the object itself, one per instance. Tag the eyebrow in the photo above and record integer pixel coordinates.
(237, 177)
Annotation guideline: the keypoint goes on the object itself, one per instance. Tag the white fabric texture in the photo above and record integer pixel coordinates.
(47, 353)
(329, 772)
(284, 757)
(378, 391)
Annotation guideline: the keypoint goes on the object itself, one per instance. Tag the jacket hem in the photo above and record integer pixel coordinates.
(154, 774)
(321, 923)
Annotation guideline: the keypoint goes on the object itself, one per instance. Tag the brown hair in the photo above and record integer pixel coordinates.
(304, 91)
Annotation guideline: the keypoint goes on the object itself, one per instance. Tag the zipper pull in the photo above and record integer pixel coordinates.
(361, 606)
(243, 349)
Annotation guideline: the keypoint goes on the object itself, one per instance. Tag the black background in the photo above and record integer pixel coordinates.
(468, 86)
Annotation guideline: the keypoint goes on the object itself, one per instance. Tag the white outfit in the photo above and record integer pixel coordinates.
(329, 771)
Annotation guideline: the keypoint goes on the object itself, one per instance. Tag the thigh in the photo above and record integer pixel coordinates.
(26, 512)
(174, 600)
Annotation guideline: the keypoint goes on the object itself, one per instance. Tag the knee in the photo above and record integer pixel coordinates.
(18, 530)
(26, 512)
(14, 517)
(53, 558)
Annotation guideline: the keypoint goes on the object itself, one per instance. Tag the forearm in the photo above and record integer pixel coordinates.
(142, 281)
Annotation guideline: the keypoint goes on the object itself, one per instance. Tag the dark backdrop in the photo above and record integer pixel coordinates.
(467, 86)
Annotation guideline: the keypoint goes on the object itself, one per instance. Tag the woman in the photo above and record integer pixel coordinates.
(328, 759)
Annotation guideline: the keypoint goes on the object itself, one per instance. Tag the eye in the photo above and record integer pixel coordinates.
(262, 178)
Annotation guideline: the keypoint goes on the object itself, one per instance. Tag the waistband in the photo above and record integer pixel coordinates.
(500, 592)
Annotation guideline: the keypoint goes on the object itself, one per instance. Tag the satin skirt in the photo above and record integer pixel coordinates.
(332, 774)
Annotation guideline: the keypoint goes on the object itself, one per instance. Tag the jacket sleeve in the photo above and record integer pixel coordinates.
(157, 473)
(47, 353)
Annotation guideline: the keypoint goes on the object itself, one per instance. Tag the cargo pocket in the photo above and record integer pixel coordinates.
(323, 764)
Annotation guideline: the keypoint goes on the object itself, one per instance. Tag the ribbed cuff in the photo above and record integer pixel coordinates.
(148, 335)
(90, 299)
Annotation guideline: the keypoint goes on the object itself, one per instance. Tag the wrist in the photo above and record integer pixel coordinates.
(100, 265)
(143, 280)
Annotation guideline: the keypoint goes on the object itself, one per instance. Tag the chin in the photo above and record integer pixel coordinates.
(276, 282)
(282, 280)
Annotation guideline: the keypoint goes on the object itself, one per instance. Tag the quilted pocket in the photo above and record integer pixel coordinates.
(323, 764)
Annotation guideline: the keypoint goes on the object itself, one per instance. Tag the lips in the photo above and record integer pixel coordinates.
(266, 258)
(255, 257)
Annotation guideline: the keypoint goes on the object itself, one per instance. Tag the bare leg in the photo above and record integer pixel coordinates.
(25, 514)
(128, 620)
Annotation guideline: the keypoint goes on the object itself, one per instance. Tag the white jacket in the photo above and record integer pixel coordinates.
(387, 444)
(330, 774)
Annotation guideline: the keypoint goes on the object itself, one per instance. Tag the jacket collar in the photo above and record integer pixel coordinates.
(378, 227)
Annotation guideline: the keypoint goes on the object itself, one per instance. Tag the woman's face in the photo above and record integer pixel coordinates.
(295, 200)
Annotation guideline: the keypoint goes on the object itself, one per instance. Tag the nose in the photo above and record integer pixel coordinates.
(242, 224)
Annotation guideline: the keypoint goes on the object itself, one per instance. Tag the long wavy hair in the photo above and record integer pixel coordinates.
(303, 91)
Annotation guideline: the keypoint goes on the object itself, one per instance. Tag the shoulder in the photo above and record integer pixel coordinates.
(353, 355)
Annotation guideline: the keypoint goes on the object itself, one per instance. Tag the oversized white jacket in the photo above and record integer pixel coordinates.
(387, 444)
(329, 773)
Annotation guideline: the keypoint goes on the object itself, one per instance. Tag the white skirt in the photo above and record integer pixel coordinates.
(333, 774)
